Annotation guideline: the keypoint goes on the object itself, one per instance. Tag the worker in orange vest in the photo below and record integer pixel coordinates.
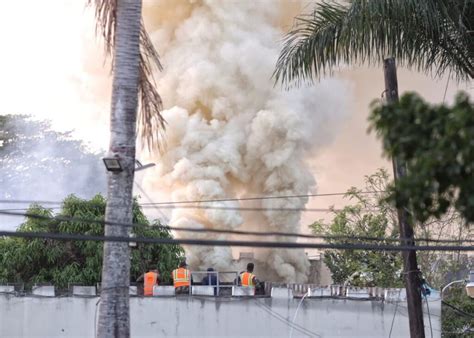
(181, 278)
(247, 278)
(150, 279)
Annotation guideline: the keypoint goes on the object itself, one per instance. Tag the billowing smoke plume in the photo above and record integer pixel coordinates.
(230, 132)
(40, 164)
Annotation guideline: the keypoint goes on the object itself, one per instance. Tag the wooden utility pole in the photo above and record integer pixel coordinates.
(411, 272)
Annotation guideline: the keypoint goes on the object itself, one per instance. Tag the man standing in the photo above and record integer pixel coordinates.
(150, 279)
(181, 279)
(248, 279)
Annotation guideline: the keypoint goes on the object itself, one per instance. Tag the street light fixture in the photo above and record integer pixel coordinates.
(469, 285)
(112, 164)
(139, 166)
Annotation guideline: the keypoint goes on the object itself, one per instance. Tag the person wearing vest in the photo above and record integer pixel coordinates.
(181, 278)
(247, 278)
(150, 279)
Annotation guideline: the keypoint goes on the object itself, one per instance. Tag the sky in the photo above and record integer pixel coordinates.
(52, 67)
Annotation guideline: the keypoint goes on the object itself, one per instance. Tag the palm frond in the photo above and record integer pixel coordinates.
(429, 35)
(151, 124)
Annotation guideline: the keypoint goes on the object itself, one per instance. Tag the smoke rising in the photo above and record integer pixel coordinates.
(230, 132)
(40, 164)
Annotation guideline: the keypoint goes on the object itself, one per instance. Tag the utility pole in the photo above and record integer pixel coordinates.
(411, 272)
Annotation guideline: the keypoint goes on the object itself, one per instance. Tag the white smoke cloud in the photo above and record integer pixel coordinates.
(230, 132)
(40, 164)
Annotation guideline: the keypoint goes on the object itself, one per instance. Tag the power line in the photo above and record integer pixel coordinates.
(461, 312)
(256, 198)
(227, 231)
(148, 197)
(429, 315)
(239, 243)
(26, 209)
(29, 202)
(208, 207)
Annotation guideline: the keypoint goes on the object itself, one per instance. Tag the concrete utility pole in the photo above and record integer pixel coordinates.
(411, 272)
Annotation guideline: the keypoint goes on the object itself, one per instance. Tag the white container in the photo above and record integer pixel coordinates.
(7, 288)
(79, 290)
(163, 290)
(282, 293)
(395, 295)
(241, 291)
(358, 292)
(133, 290)
(203, 290)
(320, 292)
(45, 291)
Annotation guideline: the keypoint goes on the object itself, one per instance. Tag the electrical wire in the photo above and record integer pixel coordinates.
(259, 198)
(148, 197)
(256, 198)
(285, 320)
(296, 312)
(458, 310)
(26, 209)
(393, 320)
(95, 317)
(394, 313)
(210, 207)
(227, 231)
(429, 315)
(238, 243)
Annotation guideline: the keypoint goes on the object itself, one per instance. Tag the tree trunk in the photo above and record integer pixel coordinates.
(114, 315)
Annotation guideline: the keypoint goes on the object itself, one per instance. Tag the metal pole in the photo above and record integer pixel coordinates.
(411, 272)
(449, 284)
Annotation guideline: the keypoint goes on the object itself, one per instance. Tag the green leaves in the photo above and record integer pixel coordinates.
(436, 143)
(64, 262)
(456, 323)
(365, 218)
(429, 35)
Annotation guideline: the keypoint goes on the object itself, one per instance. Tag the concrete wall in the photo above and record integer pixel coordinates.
(209, 316)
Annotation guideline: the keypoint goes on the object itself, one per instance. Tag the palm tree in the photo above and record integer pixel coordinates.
(120, 23)
(433, 36)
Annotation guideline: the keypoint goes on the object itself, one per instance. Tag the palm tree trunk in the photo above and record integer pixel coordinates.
(114, 316)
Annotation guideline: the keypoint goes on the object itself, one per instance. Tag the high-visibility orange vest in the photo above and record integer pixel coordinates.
(149, 281)
(181, 277)
(246, 279)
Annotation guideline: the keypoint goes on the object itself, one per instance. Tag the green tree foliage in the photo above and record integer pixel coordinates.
(62, 262)
(457, 321)
(367, 217)
(430, 35)
(436, 143)
(372, 215)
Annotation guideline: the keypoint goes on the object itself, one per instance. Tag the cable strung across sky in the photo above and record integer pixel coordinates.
(256, 198)
(254, 244)
(226, 231)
